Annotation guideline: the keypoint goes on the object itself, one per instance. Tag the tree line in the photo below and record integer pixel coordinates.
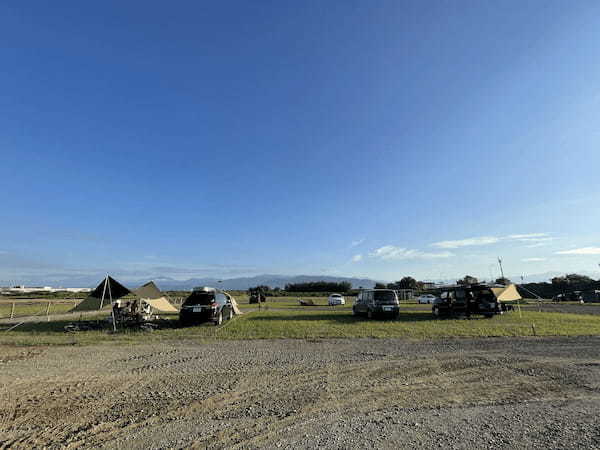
(319, 286)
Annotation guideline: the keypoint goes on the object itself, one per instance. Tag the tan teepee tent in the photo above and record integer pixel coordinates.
(150, 294)
(507, 293)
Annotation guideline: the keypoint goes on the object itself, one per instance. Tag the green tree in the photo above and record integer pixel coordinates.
(468, 279)
(408, 283)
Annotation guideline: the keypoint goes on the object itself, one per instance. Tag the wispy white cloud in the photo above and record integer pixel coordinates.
(356, 243)
(534, 259)
(536, 245)
(391, 252)
(535, 239)
(581, 251)
(527, 236)
(483, 240)
(357, 258)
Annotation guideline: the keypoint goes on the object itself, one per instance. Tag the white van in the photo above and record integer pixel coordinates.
(336, 299)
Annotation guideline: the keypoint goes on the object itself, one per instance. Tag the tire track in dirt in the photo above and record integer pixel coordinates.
(259, 394)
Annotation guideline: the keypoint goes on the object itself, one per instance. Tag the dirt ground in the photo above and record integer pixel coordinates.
(506, 393)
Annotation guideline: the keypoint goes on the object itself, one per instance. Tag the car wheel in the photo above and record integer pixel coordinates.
(219, 320)
(369, 314)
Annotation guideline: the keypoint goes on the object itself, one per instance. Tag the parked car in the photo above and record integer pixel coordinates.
(206, 305)
(377, 303)
(467, 300)
(426, 299)
(336, 299)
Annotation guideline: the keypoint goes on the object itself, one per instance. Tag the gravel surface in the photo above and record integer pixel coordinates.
(463, 393)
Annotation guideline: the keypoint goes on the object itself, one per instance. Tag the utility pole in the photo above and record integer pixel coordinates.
(500, 264)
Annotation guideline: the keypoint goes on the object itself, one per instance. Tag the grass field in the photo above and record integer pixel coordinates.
(317, 324)
(31, 308)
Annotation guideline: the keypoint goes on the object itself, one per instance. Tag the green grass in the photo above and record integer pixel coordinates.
(288, 302)
(316, 324)
(32, 308)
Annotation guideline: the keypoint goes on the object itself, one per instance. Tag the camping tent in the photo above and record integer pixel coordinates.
(150, 294)
(234, 305)
(102, 297)
(507, 293)
(110, 290)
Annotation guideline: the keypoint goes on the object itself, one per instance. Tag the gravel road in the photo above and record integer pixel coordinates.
(353, 393)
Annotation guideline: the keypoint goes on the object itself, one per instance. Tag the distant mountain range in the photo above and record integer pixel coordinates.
(171, 284)
(244, 283)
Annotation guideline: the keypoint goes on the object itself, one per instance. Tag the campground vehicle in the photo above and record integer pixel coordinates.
(336, 299)
(592, 296)
(426, 299)
(206, 304)
(377, 303)
(467, 300)
(574, 296)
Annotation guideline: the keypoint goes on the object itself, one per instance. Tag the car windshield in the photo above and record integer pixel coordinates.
(385, 298)
(200, 298)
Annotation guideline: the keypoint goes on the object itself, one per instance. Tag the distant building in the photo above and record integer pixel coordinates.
(21, 289)
(428, 285)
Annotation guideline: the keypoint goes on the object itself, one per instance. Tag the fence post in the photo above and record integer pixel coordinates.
(12, 310)
(48, 312)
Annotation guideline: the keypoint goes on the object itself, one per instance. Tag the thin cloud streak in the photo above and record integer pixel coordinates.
(533, 238)
(483, 240)
(581, 251)
(391, 252)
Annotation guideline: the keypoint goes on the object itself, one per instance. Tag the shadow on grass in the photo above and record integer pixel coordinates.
(100, 324)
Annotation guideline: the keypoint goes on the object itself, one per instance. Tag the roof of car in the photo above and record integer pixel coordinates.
(205, 289)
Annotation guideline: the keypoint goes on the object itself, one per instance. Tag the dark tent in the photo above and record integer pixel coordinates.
(102, 297)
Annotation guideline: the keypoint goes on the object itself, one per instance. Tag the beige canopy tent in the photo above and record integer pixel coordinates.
(110, 290)
(234, 305)
(507, 293)
(150, 293)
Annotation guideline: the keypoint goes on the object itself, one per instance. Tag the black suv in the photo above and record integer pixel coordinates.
(377, 303)
(206, 305)
(467, 300)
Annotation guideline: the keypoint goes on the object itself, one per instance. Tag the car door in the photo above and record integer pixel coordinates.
(223, 304)
(370, 303)
(357, 302)
(360, 303)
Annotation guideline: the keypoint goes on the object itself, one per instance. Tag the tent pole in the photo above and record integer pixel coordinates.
(112, 309)
(103, 292)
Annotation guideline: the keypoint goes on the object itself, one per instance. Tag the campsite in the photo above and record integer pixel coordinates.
(280, 372)
(300, 225)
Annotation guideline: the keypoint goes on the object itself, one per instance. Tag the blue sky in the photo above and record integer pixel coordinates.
(376, 139)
